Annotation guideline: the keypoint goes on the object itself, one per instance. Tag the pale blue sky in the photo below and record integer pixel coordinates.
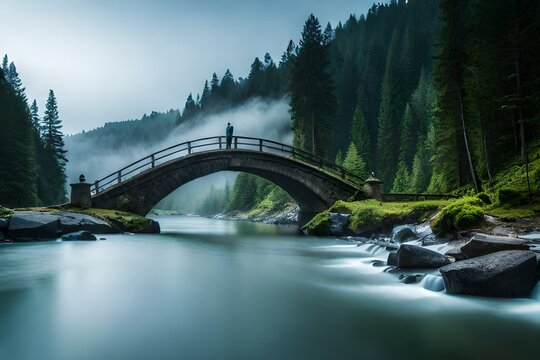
(110, 60)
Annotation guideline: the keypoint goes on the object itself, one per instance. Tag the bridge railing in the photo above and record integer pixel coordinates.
(219, 143)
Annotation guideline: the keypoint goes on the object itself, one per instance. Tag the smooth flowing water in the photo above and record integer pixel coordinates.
(209, 289)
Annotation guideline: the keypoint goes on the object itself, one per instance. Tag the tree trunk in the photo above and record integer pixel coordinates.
(313, 133)
(465, 139)
(486, 156)
(524, 152)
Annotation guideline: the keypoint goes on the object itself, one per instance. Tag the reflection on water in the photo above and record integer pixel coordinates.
(209, 289)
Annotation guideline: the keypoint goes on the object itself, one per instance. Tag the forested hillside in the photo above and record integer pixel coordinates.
(429, 95)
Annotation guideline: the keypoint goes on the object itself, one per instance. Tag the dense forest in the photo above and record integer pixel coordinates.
(32, 154)
(431, 96)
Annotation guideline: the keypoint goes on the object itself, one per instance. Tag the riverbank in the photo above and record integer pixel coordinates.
(285, 215)
(39, 224)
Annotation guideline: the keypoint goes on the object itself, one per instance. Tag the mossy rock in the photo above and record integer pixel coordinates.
(484, 198)
(319, 225)
(370, 216)
(458, 215)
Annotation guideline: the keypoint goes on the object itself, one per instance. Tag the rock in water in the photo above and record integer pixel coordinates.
(33, 225)
(392, 259)
(79, 235)
(404, 234)
(457, 254)
(482, 244)
(508, 273)
(72, 222)
(338, 223)
(417, 257)
(4, 224)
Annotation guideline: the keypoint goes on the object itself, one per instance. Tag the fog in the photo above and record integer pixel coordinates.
(257, 118)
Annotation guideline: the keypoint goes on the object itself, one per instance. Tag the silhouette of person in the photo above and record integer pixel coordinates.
(229, 134)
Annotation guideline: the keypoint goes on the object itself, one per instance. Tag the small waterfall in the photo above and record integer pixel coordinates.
(373, 249)
(432, 282)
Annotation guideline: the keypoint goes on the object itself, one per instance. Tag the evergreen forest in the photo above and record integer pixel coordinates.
(429, 96)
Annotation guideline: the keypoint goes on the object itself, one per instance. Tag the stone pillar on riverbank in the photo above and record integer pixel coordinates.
(80, 193)
(373, 188)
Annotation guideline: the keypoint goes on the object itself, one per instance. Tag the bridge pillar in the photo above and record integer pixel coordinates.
(80, 193)
(373, 188)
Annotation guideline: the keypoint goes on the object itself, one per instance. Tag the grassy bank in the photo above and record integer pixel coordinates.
(372, 215)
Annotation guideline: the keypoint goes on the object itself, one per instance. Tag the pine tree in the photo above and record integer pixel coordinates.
(56, 154)
(5, 65)
(255, 78)
(268, 60)
(408, 133)
(205, 97)
(16, 82)
(34, 114)
(387, 141)
(190, 108)
(328, 34)
(360, 136)
(289, 54)
(227, 85)
(312, 98)
(214, 84)
(339, 158)
(402, 179)
(354, 162)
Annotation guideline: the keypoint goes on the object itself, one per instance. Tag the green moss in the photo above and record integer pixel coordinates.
(371, 214)
(459, 214)
(484, 198)
(511, 196)
(511, 214)
(319, 225)
(5, 212)
(124, 221)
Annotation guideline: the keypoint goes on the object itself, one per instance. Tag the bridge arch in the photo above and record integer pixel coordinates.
(306, 178)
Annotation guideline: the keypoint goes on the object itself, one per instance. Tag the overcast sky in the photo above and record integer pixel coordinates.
(110, 60)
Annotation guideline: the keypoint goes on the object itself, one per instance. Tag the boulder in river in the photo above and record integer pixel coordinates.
(509, 273)
(457, 254)
(404, 234)
(4, 225)
(79, 236)
(417, 257)
(71, 222)
(482, 244)
(338, 223)
(33, 225)
(392, 259)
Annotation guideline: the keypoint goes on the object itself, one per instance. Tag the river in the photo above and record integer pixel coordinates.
(213, 289)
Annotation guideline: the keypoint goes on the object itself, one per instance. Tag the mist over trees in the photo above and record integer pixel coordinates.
(32, 154)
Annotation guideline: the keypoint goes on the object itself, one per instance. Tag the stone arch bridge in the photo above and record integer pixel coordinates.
(313, 182)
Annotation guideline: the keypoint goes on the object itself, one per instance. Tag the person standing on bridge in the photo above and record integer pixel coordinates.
(229, 134)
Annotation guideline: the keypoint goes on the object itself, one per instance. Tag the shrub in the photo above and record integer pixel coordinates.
(510, 196)
(458, 215)
(484, 198)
